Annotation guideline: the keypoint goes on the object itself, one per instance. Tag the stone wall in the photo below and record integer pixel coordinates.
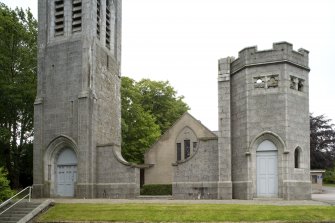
(115, 177)
(197, 177)
(224, 133)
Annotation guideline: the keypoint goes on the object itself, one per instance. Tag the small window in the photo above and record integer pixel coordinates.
(300, 85)
(273, 81)
(297, 158)
(178, 151)
(187, 148)
(293, 83)
(195, 144)
(259, 82)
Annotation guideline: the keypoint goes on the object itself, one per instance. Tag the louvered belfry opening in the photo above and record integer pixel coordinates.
(59, 17)
(76, 15)
(108, 21)
(98, 18)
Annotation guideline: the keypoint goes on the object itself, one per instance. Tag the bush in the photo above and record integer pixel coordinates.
(5, 191)
(156, 189)
(329, 177)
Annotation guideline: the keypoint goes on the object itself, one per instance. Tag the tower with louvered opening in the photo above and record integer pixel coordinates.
(77, 145)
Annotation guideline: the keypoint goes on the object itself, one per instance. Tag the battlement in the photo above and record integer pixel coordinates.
(281, 52)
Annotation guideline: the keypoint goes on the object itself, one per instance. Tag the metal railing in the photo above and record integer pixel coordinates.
(12, 199)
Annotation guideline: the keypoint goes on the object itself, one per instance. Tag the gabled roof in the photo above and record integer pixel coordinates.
(211, 135)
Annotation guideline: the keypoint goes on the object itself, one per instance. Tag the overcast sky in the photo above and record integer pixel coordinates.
(181, 41)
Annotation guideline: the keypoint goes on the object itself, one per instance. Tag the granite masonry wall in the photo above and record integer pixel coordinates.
(78, 100)
(265, 105)
(197, 177)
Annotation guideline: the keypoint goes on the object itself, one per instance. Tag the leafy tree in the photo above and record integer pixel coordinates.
(160, 99)
(139, 130)
(322, 142)
(5, 191)
(329, 176)
(18, 62)
(148, 109)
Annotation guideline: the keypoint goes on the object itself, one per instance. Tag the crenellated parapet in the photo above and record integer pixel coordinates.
(281, 52)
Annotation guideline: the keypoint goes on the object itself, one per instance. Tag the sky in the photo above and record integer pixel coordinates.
(181, 41)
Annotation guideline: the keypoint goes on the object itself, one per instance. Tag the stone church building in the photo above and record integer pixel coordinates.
(260, 150)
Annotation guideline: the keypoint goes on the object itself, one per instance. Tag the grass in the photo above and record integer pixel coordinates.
(329, 185)
(186, 213)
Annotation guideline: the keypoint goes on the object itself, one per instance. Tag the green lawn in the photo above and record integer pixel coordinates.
(186, 213)
(329, 185)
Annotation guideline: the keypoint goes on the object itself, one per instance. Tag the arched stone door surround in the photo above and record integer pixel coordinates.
(53, 151)
(281, 164)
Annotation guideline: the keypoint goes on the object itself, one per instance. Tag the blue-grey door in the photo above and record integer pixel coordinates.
(66, 179)
(66, 173)
(267, 174)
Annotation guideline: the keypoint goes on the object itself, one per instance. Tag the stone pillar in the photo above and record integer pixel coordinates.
(224, 138)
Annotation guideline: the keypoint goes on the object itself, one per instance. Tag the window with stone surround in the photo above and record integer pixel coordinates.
(59, 18)
(76, 15)
(297, 157)
(266, 81)
(297, 83)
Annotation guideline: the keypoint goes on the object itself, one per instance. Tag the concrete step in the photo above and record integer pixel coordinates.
(18, 212)
(156, 197)
(7, 221)
(13, 218)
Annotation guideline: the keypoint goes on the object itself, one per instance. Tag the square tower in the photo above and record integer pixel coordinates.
(264, 122)
(77, 122)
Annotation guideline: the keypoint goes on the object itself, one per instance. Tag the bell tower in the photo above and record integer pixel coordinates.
(78, 107)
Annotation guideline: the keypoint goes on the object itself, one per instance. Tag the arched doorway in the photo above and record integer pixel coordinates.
(267, 169)
(66, 171)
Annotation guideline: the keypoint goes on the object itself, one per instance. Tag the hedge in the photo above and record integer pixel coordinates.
(156, 189)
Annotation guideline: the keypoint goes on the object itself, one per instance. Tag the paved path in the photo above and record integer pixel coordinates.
(327, 196)
(278, 202)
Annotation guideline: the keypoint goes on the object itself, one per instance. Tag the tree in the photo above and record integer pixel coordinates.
(139, 129)
(148, 109)
(18, 69)
(5, 191)
(160, 99)
(322, 142)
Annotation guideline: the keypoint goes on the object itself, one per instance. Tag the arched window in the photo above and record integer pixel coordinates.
(297, 158)
(185, 140)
